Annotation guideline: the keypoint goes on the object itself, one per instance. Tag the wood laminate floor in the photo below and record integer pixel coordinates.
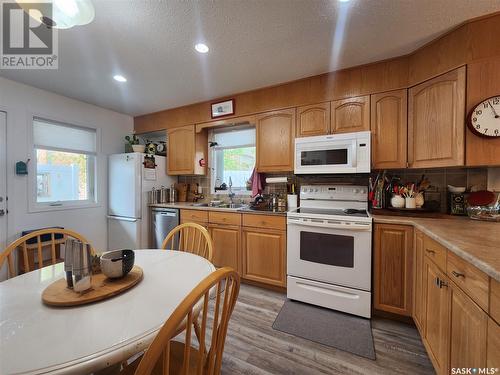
(254, 347)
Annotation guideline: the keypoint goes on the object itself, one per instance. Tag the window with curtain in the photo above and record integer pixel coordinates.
(232, 158)
(65, 170)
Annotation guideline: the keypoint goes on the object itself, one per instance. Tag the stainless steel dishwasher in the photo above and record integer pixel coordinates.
(163, 220)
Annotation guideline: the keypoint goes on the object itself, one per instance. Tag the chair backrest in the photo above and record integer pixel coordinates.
(44, 238)
(192, 238)
(222, 286)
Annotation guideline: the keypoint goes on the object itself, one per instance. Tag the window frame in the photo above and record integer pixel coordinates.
(212, 164)
(33, 205)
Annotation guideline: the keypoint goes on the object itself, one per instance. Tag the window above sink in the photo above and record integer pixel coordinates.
(231, 159)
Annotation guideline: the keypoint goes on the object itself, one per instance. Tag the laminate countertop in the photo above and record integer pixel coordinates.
(477, 242)
(193, 206)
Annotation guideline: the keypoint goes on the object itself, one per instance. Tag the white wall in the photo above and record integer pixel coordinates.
(21, 102)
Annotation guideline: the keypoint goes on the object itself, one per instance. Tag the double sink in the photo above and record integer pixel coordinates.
(232, 206)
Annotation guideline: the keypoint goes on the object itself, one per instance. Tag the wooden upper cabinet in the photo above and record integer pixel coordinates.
(436, 332)
(436, 121)
(313, 120)
(350, 115)
(483, 81)
(185, 148)
(275, 141)
(393, 259)
(468, 333)
(389, 129)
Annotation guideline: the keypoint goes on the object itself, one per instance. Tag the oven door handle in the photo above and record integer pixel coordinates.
(331, 224)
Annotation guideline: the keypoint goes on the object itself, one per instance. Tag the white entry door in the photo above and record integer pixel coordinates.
(3, 186)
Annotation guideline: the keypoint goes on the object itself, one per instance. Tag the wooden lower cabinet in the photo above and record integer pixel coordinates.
(418, 281)
(264, 256)
(451, 316)
(226, 239)
(436, 331)
(493, 345)
(468, 331)
(393, 259)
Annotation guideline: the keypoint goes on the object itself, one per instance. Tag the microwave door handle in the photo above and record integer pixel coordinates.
(354, 154)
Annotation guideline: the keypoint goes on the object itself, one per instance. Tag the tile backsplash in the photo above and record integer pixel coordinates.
(440, 178)
(480, 178)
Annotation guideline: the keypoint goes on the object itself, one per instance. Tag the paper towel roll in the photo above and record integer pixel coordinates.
(276, 180)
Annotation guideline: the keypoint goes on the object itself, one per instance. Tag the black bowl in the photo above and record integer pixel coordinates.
(117, 263)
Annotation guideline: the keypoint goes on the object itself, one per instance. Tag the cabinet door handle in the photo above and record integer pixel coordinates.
(441, 283)
(430, 251)
(457, 274)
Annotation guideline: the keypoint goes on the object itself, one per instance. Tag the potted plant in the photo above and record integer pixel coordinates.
(133, 142)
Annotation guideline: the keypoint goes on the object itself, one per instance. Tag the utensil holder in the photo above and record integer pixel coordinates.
(410, 203)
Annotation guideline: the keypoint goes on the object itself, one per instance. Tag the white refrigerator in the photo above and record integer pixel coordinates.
(128, 186)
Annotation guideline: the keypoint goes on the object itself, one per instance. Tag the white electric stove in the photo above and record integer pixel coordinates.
(329, 248)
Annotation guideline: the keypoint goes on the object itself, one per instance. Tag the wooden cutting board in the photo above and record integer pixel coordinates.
(58, 294)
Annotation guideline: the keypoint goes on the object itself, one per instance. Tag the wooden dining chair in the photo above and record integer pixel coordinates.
(37, 240)
(218, 293)
(192, 238)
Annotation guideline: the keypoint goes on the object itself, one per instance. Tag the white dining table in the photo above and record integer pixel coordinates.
(38, 339)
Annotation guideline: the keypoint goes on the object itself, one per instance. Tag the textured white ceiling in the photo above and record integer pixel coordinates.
(253, 43)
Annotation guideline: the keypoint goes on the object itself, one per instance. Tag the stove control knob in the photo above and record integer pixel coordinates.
(316, 190)
(355, 191)
(310, 190)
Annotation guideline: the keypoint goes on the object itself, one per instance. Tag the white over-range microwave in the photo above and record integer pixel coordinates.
(332, 154)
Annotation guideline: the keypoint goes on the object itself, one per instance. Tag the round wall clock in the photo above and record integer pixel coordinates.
(484, 119)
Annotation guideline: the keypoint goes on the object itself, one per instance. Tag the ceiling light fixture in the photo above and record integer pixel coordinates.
(119, 78)
(343, 1)
(201, 48)
(63, 14)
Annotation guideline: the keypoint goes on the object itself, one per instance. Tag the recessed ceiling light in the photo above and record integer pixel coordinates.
(119, 78)
(343, 1)
(201, 48)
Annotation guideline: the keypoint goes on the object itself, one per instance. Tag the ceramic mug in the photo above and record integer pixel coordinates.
(410, 203)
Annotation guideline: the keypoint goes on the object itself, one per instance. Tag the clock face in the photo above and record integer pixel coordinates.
(485, 118)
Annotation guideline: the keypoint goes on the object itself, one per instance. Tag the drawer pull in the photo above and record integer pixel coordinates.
(430, 251)
(457, 274)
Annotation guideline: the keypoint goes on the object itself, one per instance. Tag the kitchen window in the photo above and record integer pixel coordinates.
(64, 166)
(232, 158)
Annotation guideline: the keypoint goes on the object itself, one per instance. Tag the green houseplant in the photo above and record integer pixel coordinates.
(134, 144)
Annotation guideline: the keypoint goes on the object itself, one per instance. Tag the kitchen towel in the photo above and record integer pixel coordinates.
(256, 181)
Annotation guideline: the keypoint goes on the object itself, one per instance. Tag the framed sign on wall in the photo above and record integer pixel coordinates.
(221, 109)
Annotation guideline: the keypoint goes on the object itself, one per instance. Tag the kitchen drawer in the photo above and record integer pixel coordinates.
(436, 252)
(495, 300)
(264, 221)
(188, 216)
(229, 218)
(467, 277)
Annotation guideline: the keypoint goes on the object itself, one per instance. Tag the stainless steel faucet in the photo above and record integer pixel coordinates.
(231, 194)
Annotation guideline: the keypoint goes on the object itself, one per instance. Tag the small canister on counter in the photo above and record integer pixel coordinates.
(164, 195)
(152, 196)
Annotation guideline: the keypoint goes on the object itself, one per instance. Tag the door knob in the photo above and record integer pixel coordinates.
(2, 212)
